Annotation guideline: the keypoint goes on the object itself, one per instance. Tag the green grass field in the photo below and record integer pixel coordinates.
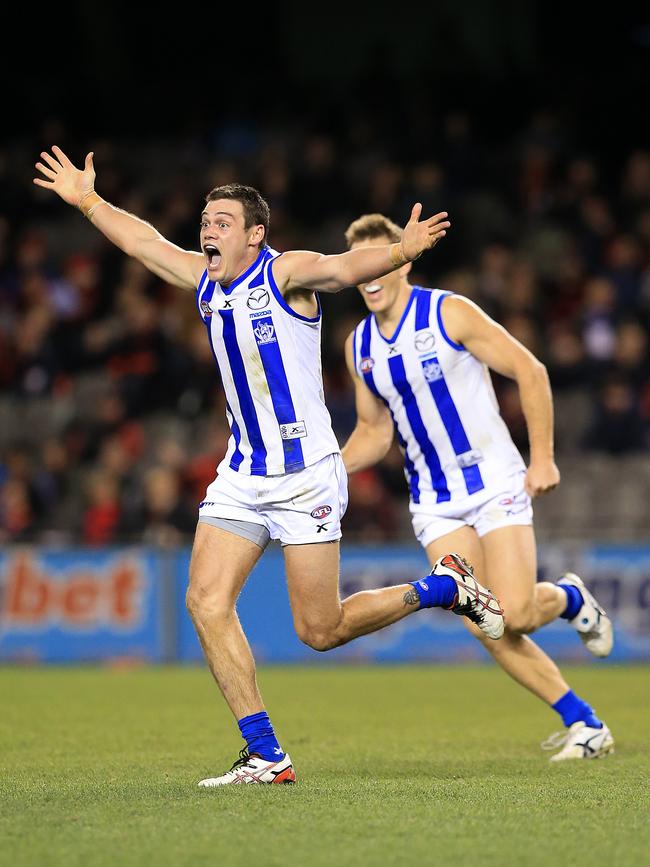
(404, 765)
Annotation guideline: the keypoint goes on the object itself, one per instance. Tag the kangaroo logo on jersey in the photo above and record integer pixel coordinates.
(206, 309)
(265, 333)
(366, 364)
(257, 299)
(425, 341)
(432, 371)
(321, 512)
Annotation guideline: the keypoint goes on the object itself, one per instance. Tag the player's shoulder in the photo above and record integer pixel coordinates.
(363, 325)
(356, 336)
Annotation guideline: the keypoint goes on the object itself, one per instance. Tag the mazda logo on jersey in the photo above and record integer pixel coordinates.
(424, 341)
(321, 512)
(366, 365)
(257, 299)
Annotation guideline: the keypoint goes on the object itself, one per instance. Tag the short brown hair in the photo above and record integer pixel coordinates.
(372, 226)
(256, 208)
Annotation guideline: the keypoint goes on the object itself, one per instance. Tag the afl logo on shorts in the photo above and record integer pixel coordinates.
(205, 308)
(366, 365)
(257, 299)
(321, 512)
(424, 341)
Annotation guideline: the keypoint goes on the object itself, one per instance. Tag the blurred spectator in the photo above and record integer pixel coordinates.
(617, 427)
(102, 514)
(598, 317)
(17, 519)
(162, 517)
(371, 515)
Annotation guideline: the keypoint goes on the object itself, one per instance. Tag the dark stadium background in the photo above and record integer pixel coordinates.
(526, 122)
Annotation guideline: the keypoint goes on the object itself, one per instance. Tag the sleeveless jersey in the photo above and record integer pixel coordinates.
(270, 364)
(442, 402)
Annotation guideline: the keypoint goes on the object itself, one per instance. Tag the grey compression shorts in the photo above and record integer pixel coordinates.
(256, 533)
(247, 529)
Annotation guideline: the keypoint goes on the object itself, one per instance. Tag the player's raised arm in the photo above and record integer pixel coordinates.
(302, 269)
(488, 341)
(134, 236)
(373, 433)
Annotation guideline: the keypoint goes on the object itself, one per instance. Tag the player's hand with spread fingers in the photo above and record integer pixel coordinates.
(541, 477)
(421, 236)
(64, 178)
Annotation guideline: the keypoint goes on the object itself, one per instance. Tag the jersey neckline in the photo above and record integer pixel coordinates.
(390, 340)
(227, 289)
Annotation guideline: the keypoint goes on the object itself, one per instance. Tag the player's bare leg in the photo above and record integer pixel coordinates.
(221, 562)
(505, 561)
(513, 574)
(220, 565)
(323, 621)
(511, 564)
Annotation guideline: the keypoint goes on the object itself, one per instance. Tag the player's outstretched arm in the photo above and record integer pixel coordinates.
(373, 433)
(134, 236)
(488, 341)
(302, 269)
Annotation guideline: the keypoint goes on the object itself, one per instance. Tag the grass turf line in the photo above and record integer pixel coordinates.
(396, 765)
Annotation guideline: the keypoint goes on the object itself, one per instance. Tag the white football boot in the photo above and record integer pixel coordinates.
(591, 622)
(580, 741)
(254, 769)
(472, 599)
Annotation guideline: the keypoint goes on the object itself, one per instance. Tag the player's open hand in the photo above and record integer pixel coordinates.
(541, 478)
(71, 183)
(421, 236)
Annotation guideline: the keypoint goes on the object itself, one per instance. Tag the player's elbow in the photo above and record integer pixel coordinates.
(533, 369)
(385, 440)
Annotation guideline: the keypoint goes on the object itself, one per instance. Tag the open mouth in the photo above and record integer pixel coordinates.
(373, 288)
(212, 254)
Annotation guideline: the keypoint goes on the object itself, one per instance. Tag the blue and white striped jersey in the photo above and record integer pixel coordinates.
(269, 359)
(443, 405)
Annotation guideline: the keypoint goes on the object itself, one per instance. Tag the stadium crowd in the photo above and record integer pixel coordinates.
(111, 413)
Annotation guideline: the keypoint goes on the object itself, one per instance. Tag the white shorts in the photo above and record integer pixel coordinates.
(297, 508)
(508, 507)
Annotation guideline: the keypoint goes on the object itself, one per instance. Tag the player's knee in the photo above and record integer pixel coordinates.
(202, 601)
(520, 620)
(317, 637)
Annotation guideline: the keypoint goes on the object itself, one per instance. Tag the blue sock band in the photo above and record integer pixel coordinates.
(258, 733)
(436, 591)
(574, 601)
(573, 709)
